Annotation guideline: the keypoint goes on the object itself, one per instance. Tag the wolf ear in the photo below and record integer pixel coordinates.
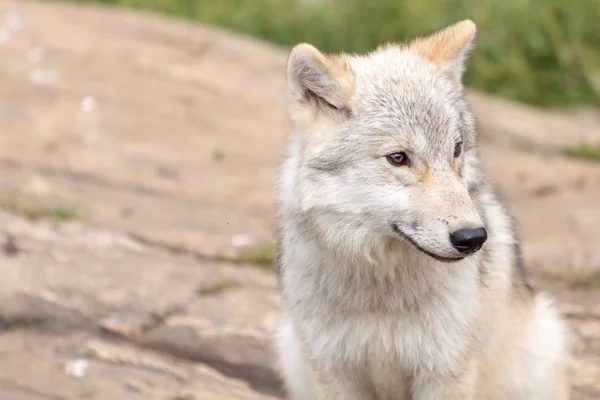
(314, 79)
(447, 48)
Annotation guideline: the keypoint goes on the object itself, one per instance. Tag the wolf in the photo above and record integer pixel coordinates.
(399, 268)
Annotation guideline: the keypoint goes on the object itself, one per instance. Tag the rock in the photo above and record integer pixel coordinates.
(558, 229)
(506, 121)
(213, 313)
(76, 368)
(96, 369)
(11, 247)
(171, 165)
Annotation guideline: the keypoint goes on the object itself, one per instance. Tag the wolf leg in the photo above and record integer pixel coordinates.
(297, 377)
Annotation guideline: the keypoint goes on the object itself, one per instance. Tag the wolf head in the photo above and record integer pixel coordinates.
(383, 148)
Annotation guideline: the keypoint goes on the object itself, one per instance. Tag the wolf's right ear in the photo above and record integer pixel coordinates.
(448, 48)
(317, 80)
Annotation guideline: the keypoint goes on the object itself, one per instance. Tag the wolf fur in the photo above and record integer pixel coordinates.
(379, 305)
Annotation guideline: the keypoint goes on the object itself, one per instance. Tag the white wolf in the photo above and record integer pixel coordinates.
(400, 271)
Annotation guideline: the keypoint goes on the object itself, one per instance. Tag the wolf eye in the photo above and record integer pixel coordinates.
(457, 149)
(397, 159)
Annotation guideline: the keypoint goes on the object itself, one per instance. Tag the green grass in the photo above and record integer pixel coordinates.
(592, 282)
(575, 279)
(586, 152)
(545, 52)
(217, 288)
(261, 255)
(56, 212)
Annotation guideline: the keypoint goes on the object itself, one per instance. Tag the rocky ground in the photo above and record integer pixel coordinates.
(137, 160)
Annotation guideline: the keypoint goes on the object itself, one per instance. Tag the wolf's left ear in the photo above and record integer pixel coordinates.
(317, 82)
(447, 48)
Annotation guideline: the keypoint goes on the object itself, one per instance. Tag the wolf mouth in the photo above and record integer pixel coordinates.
(404, 236)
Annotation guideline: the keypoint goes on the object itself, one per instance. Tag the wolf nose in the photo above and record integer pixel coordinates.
(468, 240)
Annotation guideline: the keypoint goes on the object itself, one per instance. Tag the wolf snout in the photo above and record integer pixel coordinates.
(468, 240)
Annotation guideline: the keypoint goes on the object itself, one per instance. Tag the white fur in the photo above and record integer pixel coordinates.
(540, 351)
(291, 362)
(375, 309)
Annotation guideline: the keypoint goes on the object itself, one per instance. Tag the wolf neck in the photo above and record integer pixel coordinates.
(394, 278)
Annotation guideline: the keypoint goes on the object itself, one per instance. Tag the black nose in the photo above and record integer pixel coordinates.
(468, 240)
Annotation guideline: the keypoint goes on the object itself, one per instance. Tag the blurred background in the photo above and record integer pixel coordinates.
(139, 144)
(542, 52)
